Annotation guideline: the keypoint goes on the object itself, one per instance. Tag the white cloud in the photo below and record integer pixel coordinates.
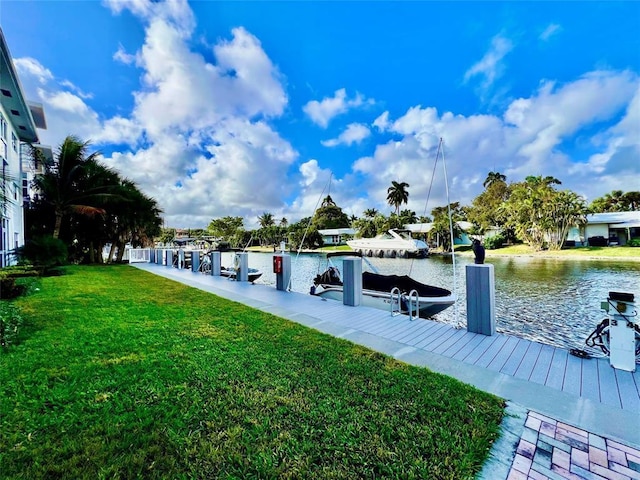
(31, 67)
(322, 112)
(123, 57)
(490, 67)
(532, 138)
(551, 30)
(354, 133)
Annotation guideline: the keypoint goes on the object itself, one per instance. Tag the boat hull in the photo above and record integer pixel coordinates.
(230, 273)
(427, 306)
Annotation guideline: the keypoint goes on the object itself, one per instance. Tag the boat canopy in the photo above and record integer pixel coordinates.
(385, 283)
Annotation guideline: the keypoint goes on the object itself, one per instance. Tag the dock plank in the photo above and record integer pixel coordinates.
(555, 375)
(590, 385)
(516, 357)
(525, 369)
(573, 375)
(436, 341)
(503, 355)
(460, 343)
(469, 347)
(487, 357)
(458, 333)
(608, 384)
(628, 388)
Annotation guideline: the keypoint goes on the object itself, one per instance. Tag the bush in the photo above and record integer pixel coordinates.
(634, 242)
(45, 252)
(10, 322)
(496, 241)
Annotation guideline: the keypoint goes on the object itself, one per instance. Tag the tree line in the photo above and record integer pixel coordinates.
(81, 205)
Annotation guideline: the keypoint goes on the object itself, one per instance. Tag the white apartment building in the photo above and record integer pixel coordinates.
(17, 128)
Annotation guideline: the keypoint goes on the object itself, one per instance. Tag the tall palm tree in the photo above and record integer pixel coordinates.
(67, 184)
(266, 220)
(494, 177)
(284, 222)
(397, 194)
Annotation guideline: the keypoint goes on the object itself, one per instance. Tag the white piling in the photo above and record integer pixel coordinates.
(282, 269)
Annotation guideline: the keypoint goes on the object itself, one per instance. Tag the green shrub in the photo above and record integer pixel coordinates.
(45, 252)
(496, 241)
(634, 242)
(10, 322)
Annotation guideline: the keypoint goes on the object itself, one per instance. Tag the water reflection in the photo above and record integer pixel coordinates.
(547, 300)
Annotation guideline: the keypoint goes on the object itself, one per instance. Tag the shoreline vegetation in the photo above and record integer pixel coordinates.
(624, 254)
(115, 375)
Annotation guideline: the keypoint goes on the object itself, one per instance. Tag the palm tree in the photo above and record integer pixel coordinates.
(370, 213)
(494, 177)
(397, 194)
(266, 220)
(67, 184)
(284, 222)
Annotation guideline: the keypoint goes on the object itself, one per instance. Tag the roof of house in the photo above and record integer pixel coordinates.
(337, 231)
(615, 218)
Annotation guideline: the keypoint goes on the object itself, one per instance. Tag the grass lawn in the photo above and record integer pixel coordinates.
(121, 374)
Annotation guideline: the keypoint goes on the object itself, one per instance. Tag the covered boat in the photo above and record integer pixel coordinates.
(394, 243)
(381, 291)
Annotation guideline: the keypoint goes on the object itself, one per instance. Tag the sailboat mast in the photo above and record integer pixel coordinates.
(453, 255)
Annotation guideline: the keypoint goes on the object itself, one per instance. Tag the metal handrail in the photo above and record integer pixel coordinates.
(413, 304)
(395, 301)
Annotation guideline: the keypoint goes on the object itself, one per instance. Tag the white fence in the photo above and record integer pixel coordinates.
(139, 255)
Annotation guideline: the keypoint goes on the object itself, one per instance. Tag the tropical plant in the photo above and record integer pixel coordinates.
(616, 201)
(440, 232)
(370, 213)
(226, 227)
(397, 194)
(68, 184)
(266, 220)
(10, 323)
(494, 177)
(330, 215)
(45, 252)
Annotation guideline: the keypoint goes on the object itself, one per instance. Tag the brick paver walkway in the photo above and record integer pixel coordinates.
(550, 449)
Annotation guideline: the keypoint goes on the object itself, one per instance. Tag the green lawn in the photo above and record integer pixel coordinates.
(121, 374)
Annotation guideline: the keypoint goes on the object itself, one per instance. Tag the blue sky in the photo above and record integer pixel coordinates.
(239, 108)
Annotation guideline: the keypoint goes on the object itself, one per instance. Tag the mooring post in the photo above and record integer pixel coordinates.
(195, 260)
(216, 263)
(282, 269)
(481, 299)
(158, 256)
(169, 258)
(352, 281)
(242, 267)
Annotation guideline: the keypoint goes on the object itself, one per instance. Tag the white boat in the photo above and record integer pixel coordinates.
(230, 272)
(394, 243)
(380, 291)
(253, 273)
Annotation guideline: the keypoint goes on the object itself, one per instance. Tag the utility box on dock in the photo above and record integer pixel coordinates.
(282, 269)
(352, 281)
(481, 299)
(622, 331)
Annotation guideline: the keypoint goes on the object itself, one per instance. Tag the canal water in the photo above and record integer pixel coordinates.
(552, 301)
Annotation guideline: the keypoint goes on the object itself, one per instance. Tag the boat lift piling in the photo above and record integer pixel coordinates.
(282, 269)
(241, 264)
(352, 281)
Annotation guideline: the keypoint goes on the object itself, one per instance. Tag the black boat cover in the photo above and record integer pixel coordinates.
(385, 283)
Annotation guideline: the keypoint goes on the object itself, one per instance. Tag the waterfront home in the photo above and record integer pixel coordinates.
(336, 236)
(606, 229)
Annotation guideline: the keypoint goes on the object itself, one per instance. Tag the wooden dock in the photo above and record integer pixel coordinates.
(514, 368)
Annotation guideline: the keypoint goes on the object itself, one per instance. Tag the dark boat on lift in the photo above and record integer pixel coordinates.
(377, 290)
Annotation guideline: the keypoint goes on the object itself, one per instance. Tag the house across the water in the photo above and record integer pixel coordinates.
(603, 229)
(336, 236)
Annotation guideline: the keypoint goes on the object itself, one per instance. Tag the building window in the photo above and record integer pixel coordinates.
(3, 127)
(14, 142)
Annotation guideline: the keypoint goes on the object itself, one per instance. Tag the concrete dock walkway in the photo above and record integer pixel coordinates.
(567, 417)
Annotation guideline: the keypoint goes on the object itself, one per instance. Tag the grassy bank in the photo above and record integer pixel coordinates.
(579, 253)
(118, 373)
